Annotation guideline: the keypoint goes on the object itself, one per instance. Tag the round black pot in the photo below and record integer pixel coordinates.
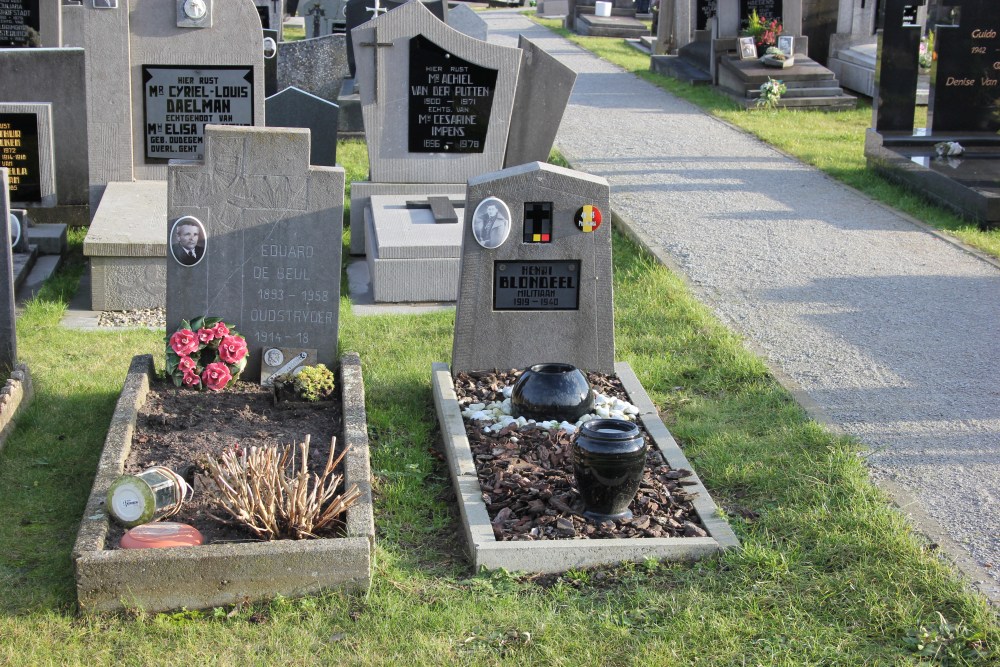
(609, 456)
(551, 391)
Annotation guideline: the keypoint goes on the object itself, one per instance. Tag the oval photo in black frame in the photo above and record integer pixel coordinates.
(491, 223)
(188, 240)
(14, 229)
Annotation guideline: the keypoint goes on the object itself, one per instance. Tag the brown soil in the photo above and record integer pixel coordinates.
(529, 487)
(178, 427)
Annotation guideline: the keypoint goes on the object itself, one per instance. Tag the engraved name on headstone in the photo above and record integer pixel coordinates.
(180, 100)
(19, 154)
(19, 24)
(272, 225)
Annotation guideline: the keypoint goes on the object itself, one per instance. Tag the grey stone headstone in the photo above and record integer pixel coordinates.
(272, 247)
(27, 152)
(361, 11)
(296, 108)
(323, 17)
(465, 20)
(435, 111)
(56, 77)
(317, 66)
(8, 332)
(529, 301)
(543, 89)
(274, 10)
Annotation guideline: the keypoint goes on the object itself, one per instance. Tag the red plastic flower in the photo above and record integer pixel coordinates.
(232, 349)
(216, 376)
(184, 342)
(186, 364)
(191, 379)
(206, 335)
(220, 329)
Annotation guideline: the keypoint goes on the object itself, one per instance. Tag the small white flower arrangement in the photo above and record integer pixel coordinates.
(770, 92)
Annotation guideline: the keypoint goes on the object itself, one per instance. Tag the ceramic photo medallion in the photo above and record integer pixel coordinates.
(491, 223)
(188, 240)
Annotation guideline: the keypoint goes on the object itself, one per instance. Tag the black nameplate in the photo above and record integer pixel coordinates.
(179, 100)
(450, 101)
(966, 92)
(544, 285)
(770, 9)
(19, 153)
(19, 23)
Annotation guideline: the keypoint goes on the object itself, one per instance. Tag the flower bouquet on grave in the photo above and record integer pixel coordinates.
(926, 56)
(770, 93)
(764, 30)
(205, 353)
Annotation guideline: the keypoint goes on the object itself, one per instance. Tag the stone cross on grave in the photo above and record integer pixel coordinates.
(966, 91)
(377, 9)
(442, 208)
(379, 71)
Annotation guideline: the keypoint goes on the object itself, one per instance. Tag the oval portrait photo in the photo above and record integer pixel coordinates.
(187, 240)
(14, 224)
(491, 223)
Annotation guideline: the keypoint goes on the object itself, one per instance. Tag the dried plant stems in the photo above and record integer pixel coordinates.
(264, 490)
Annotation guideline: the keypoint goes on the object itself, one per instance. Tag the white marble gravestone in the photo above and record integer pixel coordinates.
(542, 293)
(270, 227)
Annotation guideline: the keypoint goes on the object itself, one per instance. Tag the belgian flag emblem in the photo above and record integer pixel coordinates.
(588, 218)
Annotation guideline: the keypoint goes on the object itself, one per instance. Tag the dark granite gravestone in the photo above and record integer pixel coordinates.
(965, 90)
(771, 9)
(20, 24)
(271, 66)
(8, 332)
(19, 154)
(543, 292)
(272, 227)
(296, 108)
(704, 10)
(896, 71)
(180, 100)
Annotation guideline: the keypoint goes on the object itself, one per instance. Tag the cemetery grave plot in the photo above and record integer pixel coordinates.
(526, 475)
(224, 572)
(177, 428)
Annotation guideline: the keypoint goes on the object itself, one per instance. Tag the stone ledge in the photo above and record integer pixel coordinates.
(560, 555)
(15, 395)
(220, 574)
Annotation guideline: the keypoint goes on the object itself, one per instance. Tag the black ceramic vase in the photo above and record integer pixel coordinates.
(551, 391)
(609, 456)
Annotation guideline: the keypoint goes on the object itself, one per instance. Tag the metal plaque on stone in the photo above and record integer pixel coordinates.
(450, 100)
(542, 285)
(179, 100)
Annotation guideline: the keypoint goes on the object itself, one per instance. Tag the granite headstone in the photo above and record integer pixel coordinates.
(296, 108)
(269, 228)
(542, 291)
(896, 70)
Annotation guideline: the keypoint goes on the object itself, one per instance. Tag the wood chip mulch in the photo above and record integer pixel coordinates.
(528, 483)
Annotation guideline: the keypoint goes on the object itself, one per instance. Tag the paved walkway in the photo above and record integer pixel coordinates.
(883, 329)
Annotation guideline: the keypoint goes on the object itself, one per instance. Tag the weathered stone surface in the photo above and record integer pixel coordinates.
(317, 66)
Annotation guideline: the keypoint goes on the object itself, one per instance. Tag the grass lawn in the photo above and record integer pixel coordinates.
(831, 141)
(829, 573)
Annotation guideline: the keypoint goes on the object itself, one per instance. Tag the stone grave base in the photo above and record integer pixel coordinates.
(410, 257)
(560, 555)
(15, 395)
(220, 574)
(968, 184)
(810, 85)
(621, 23)
(127, 247)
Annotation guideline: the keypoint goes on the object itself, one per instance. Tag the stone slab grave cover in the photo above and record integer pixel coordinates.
(63, 74)
(292, 107)
(542, 293)
(30, 24)
(323, 17)
(213, 575)
(269, 231)
(26, 151)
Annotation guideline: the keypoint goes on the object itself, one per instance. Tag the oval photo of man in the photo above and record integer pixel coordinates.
(187, 240)
(491, 223)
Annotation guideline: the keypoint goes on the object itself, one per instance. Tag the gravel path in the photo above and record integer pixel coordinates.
(890, 330)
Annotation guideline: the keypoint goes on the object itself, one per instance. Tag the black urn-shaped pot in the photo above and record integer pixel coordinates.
(609, 456)
(551, 391)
